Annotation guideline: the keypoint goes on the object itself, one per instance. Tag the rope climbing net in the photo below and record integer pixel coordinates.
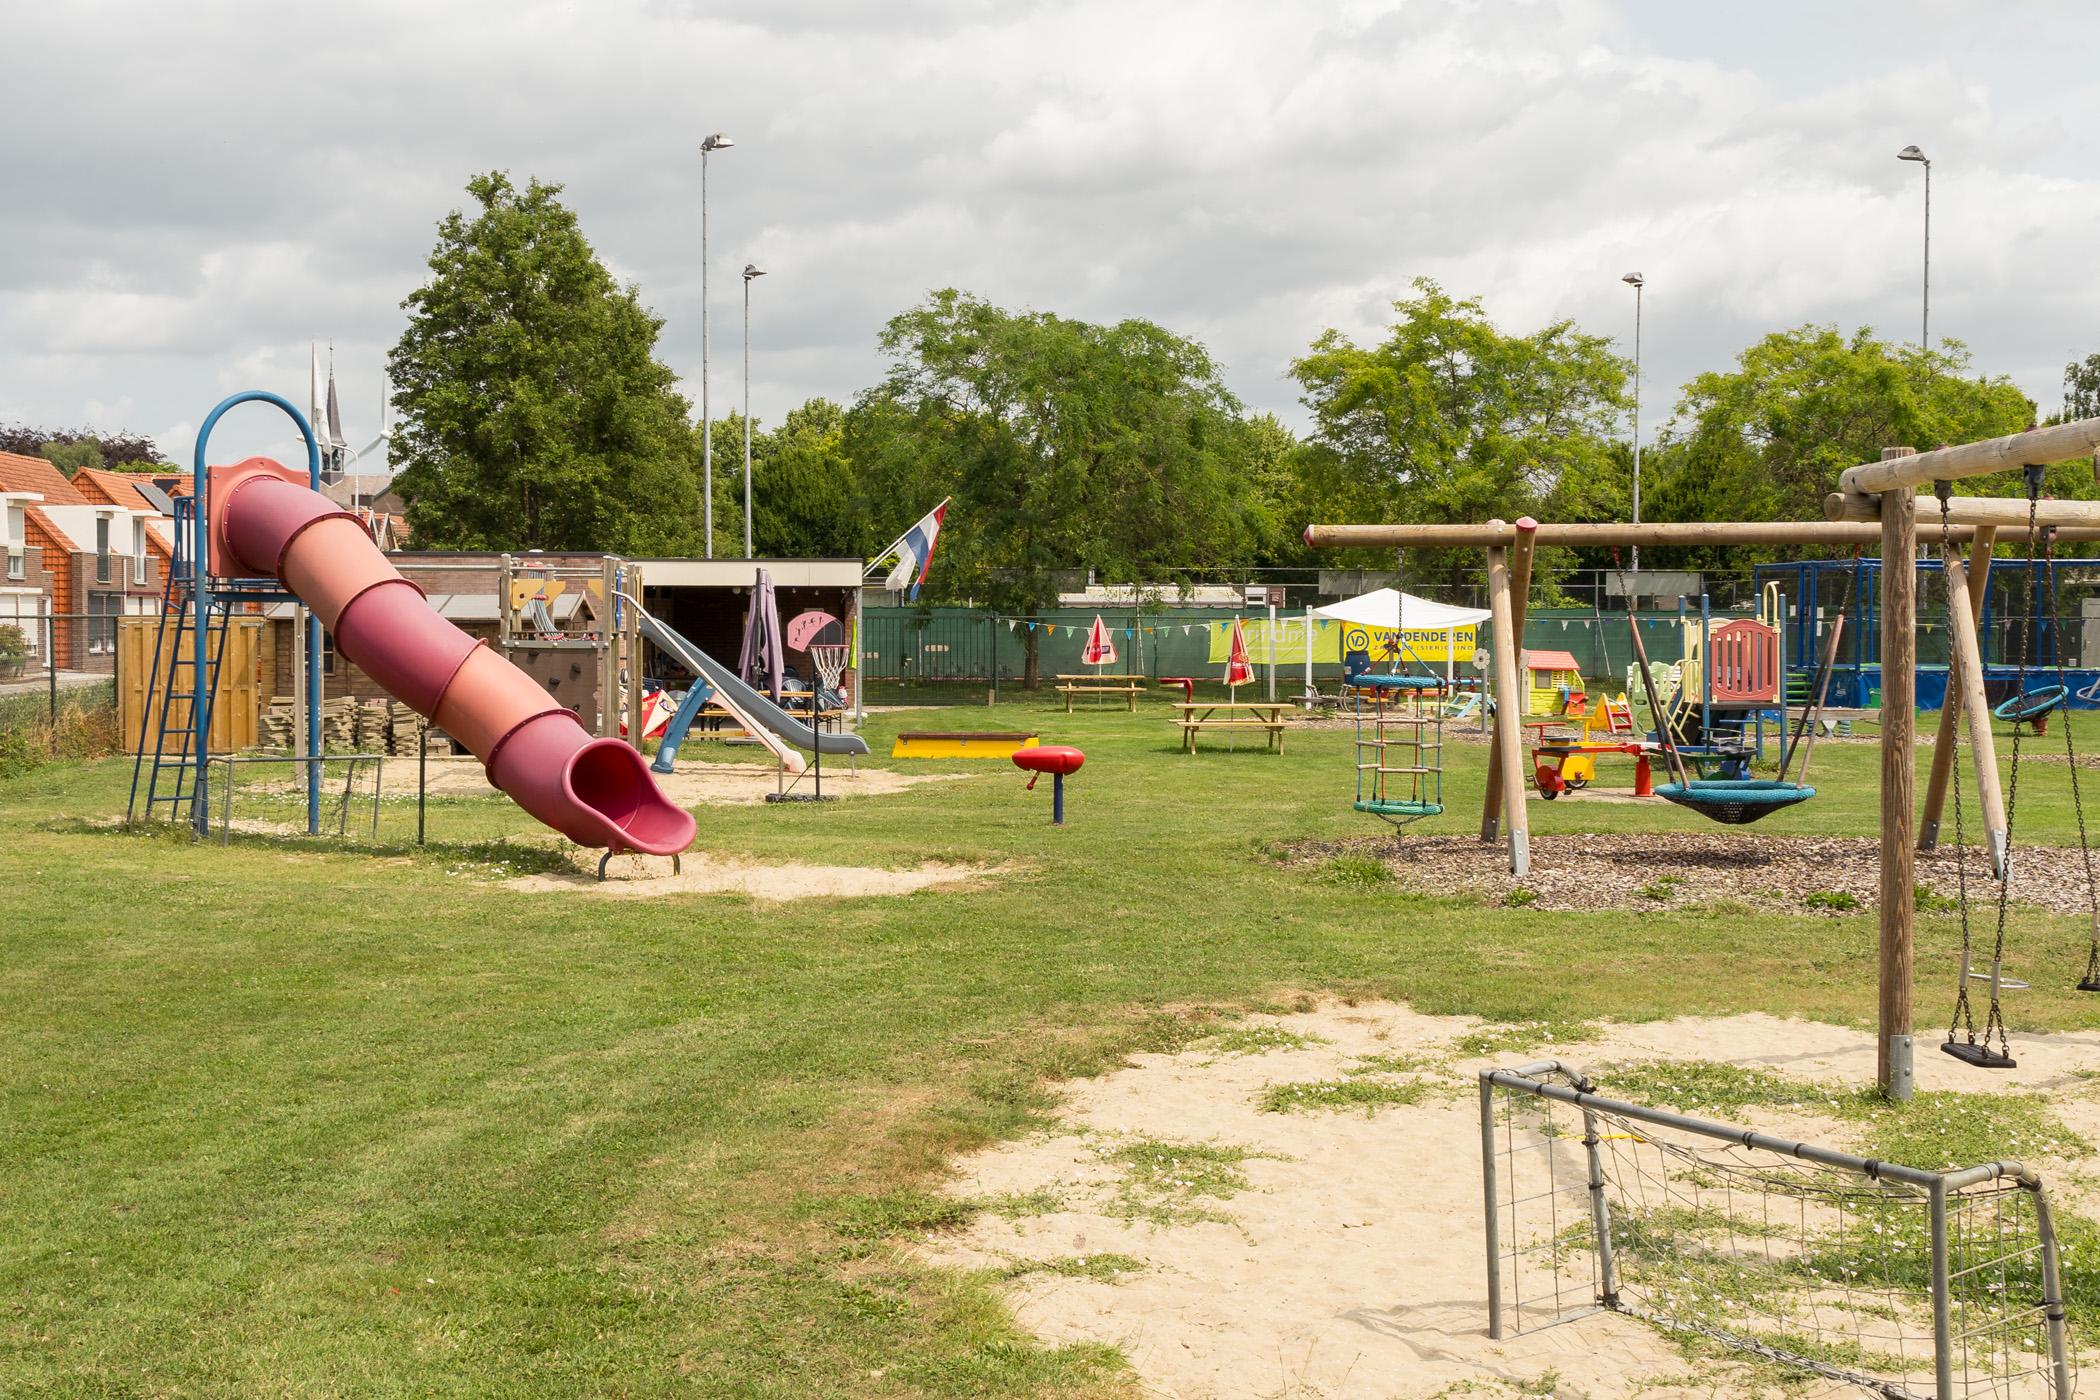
(1906, 1283)
(1399, 747)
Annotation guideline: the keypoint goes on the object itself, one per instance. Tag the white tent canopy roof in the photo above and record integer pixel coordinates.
(1399, 611)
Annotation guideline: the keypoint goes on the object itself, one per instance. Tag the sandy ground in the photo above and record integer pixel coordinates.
(693, 785)
(1353, 1266)
(1665, 869)
(638, 877)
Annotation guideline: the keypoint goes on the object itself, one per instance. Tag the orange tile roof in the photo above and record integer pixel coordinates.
(19, 473)
(1539, 660)
(113, 488)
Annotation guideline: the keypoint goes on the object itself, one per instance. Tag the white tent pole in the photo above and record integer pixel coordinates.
(1306, 622)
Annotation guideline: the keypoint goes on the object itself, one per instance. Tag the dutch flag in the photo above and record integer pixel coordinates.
(915, 553)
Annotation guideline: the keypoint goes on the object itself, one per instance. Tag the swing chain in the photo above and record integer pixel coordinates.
(1994, 1023)
(1964, 1020)
(2091, 980)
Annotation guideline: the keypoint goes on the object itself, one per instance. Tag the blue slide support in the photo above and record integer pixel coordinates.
(674, 732)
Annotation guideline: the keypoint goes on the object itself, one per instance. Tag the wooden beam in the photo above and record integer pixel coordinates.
(1965, 691)
(1777, 533)
(2059, 442)
(1508, 719)
(1972, 510)
(1519, 597)
(1899, 655)
(1950, 709)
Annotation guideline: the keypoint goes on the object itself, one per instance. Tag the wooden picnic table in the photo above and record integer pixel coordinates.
(1200, 715)
(1104, 683)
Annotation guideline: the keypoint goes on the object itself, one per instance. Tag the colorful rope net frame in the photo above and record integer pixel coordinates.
(1399, 747)
(1905, 1283)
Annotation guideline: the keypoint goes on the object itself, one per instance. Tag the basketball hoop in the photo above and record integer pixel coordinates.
(830, 660)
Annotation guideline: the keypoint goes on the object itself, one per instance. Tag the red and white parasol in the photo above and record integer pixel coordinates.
(1100, 647)
(1238, 668)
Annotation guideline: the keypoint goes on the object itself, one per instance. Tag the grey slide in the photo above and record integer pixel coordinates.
(753, 702)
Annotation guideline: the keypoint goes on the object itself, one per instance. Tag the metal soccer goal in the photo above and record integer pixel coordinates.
(1912, 1284)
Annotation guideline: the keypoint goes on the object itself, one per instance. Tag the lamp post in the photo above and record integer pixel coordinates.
(1925, 322)
(716, 142)
(751, 270)
(1636, 281)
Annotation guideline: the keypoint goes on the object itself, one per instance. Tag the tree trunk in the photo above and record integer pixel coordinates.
(1030, 678)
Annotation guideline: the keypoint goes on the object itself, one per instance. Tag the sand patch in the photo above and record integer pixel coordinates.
(693, 785)
(1351, 1264)
(1685, 869)
(636, 877)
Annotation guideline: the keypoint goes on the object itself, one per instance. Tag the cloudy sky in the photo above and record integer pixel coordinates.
(190, 194)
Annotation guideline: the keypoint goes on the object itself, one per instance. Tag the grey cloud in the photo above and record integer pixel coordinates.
(237, 179)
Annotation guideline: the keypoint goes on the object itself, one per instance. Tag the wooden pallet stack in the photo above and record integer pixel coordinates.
(360, 726)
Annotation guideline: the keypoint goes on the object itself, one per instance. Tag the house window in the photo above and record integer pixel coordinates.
(138, 551)
(17, 563)
(103, 611)
(102, 549)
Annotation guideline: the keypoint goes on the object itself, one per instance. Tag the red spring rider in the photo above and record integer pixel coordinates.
(1056, 760)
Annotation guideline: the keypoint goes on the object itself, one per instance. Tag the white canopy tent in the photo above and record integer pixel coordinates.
(1394, 611)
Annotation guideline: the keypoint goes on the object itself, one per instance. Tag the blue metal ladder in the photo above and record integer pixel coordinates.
(171, 779)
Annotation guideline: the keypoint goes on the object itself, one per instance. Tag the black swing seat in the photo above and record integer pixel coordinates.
(2089, 984)
(1970, 1052)
(2031, 706)
(1735, 801)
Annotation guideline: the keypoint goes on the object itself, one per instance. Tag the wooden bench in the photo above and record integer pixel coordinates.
(1125, 686)
(1204, 716)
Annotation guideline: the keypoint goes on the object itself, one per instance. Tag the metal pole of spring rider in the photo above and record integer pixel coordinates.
(1057, 799)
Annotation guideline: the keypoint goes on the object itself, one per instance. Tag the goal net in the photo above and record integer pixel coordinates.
(1915, 1285)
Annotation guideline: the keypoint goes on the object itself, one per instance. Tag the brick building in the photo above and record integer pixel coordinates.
(81, 558)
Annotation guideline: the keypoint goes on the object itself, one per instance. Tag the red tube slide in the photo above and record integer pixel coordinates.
(597, 792)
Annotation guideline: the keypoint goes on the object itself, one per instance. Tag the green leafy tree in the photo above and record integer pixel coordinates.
(729, 484)
(1450, 419)
(71, 455)
(805, 488)
(2082, 388)
(1065, 445)
(533, 410)
(1768, 439)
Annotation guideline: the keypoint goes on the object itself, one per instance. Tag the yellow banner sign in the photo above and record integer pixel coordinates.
(1333, 640)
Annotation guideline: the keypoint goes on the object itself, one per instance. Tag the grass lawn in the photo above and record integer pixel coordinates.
(286, 1117)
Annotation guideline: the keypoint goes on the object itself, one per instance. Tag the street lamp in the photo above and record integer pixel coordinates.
(1636, 281)
(716, 142)
(751, 270)
(1925, 326)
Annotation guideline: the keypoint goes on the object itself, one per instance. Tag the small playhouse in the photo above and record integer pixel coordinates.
(1552, 683)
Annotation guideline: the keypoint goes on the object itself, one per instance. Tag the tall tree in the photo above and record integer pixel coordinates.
(1450, 419)
(805, 488)
(2082, 388)
(1768, 439)
(534, 412)
(1065, 445)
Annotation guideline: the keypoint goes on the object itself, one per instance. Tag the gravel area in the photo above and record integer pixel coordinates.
(1649, 870)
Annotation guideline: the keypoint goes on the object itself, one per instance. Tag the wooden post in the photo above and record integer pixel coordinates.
(1519, 593)
(633, 632)
(1950, 710)
(1965, 693)
(1508, 719)
(1899, 655)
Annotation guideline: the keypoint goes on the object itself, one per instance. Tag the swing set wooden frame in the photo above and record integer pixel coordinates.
(1876, 503)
